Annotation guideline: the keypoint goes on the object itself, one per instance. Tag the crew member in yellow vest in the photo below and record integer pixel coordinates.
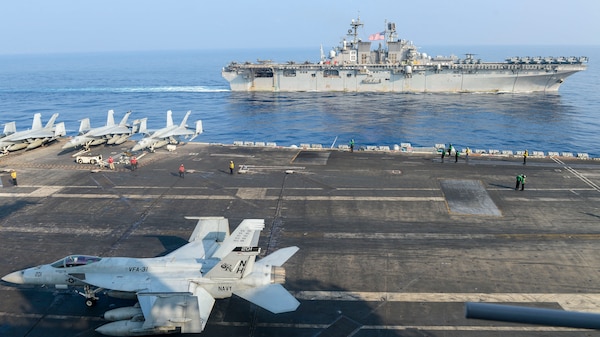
(13, 175)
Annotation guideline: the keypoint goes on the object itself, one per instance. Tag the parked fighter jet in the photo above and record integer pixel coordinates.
(35, 137)
(176, 292)
(111, 133)
(167, 135)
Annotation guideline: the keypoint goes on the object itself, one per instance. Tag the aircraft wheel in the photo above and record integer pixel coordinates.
(93, 161)
(80, 161)
(90, 302)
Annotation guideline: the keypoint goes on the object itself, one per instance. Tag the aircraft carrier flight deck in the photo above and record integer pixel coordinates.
(391, 243)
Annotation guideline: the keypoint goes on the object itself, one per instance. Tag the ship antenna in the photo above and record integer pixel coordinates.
(354, 31)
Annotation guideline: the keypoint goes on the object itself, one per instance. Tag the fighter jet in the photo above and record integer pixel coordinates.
(33, 138)
(110, 133)
(176, 292)
(167, 135)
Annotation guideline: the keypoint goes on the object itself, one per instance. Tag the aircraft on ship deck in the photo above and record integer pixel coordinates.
(35, 137)
(110, 133)
(170, 134)
(176, 292)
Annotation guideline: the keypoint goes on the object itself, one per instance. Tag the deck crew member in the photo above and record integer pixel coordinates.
(13, 175)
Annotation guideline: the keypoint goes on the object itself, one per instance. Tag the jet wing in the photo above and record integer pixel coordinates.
(205, 240)
(188, 312)
(273, 297)
(210, 228)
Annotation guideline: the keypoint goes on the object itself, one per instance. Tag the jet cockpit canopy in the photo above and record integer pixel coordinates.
(75, 261)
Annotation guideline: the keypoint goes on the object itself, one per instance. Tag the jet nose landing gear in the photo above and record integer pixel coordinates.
(90, 295)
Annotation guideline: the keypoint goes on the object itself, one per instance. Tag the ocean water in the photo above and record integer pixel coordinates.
(150, 83)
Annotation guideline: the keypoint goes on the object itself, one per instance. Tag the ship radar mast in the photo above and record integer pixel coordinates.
(391, 31)
(354, 30)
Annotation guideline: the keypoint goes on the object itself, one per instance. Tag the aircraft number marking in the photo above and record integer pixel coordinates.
(38, 274)
(138, 269)
(225, 288)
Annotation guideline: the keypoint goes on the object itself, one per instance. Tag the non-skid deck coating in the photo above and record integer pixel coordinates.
(468, 197)
(391, 244)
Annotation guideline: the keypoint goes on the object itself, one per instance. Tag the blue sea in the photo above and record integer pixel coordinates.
(150, 83)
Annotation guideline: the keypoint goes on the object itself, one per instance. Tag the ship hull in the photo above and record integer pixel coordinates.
(382, 79)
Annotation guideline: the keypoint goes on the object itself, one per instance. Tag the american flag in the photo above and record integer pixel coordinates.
(377, 36)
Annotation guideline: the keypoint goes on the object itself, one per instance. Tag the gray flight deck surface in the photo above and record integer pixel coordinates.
(391, 244)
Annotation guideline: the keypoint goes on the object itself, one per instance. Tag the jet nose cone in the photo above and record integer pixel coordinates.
(15, 277)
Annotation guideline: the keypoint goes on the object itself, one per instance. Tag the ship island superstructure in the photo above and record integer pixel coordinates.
(398, 66)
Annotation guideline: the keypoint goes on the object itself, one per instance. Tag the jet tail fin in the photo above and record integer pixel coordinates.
(197, 131)
(84, 126)
(37, 121)
(125, 118)
(235, 265)
(185, 118)
(51, 121)
(169, 118)
(110, 118)
(143, 128)
(199, 128)
(10, 128)
(238, 252)
(245, 236)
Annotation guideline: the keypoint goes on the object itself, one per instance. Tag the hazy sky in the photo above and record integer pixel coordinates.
(43, 26)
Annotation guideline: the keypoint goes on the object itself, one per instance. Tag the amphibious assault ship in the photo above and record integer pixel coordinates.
(398, 66)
